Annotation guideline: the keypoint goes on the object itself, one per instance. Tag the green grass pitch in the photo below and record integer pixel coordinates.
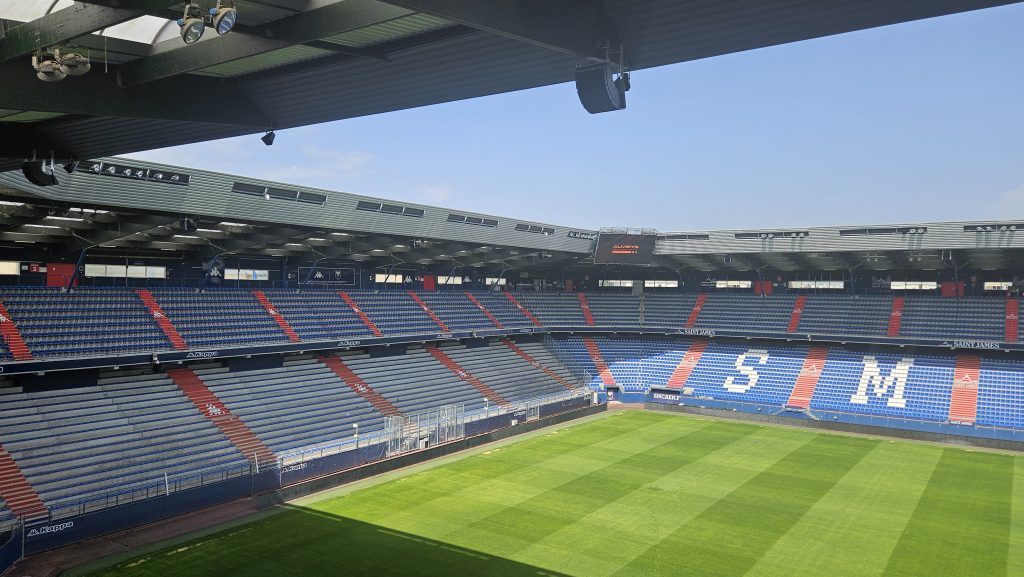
(647, 494)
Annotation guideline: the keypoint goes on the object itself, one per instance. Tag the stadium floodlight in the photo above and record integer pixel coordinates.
(47, 67)
(72, 63)
(192, 24)
(223, 18)
(268, 138)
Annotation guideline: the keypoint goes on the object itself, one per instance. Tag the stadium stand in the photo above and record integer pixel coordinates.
(216, 318)
(88, 321)
(503, 309)
(394, 312)
(1001, 393)
(300, 404)
(455, 310)
(668, 310)
(553, 309)
(746, 312)
(505, 372)
(613, 309)
(914, 387)
(111, 321)
(846, 315)
(752, 374)
(318, 314)
(967, 318)
(413, 382)
(114, 437)
(636, 365)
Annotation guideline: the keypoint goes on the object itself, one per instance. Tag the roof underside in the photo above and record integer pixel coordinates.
(296, 62)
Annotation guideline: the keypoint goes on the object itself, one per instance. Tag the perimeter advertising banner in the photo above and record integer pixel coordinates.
(624, 248)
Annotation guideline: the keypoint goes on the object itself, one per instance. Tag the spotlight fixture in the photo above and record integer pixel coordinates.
(192, 24)
(72, 63)
(224, 18)
(268, 138)
(47, 67)
(193, 21)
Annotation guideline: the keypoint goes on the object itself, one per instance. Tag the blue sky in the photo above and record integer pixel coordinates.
(909, 123)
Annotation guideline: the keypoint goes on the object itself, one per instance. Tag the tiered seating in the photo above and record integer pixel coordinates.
(5, 515)
(75, 445)
(504, 371)
(456, 311)
(218, 318)
(542, 355)
(414, 382)
(553, 309)
(88, 321)
(885, 384)
(318, 315)
(615, 309)
(667, 310)
(747, 373)
(1001, 393)
(944, 318)
(635, 364)
(394, 312)
(846, 315)
(746, 312)
(300, 404)
(502, 309)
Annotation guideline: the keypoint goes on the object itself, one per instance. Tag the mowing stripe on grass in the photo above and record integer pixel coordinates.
(1015, 561)
(654, 511)
(731, 535)
(521, 523)
(853, 529)
(448, 503)
(961, 525)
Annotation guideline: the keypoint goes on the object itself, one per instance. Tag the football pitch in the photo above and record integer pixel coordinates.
(646, 494)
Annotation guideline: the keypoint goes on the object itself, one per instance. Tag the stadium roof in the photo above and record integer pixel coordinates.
(134, 208)
(130, 207)
(297, 62)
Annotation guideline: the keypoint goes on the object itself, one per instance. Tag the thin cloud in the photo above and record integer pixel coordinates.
(1009, 204)
(435, 193)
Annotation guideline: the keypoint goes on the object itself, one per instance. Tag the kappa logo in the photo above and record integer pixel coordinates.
(216, 272)
(213, 410)
(526, 330)
(965, 382)
(348, 343)
(201, 354)
(158, 315)
(4, 319)
(50, 529)
(811, 371)
(272, 312)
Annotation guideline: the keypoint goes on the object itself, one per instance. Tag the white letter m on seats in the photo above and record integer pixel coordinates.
(872, 380)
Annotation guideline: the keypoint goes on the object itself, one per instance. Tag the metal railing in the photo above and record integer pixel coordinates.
(421, 422)
(158, 486)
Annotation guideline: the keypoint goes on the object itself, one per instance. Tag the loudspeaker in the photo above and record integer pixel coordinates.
(33, 171)
(597, 91)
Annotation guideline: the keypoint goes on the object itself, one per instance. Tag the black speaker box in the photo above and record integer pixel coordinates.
(33, 171)
(597, 91)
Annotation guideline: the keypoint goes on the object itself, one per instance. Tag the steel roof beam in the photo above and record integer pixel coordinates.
(70, 23)
(576, 27)
(196, 99)
(171, 58)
